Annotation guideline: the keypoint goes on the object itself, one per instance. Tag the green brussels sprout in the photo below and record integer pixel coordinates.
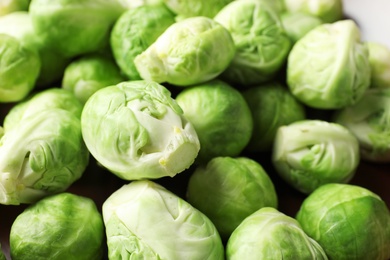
(348, 221)
(328, 11)
(191, 8)
(144, 220)
(368, 120)
(379, 57)
(328, 68)
(136, 130)
(262, 45)
(75, 27)
(10, 6)
(19, 25)
(61, 226)
(87, 74)
(220, 116)
(135, 31)
(188, 52)
(270, 234)
(311, 153)
(227, 190)
(272, 105)
(19, 69)
(297, 24)
(42, 150)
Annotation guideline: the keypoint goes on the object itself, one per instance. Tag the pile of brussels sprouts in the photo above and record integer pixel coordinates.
(149, 89)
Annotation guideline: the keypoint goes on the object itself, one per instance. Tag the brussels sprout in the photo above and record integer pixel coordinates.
(19, 25)
(379, 57)
(10, 6)
(42, 152)
(227, 190)
(261, 43)
(74, 27)
(369, 121)
(191, 8)
(328, 68)
(297, 24)
(188, 52)
(90, 73)
(61, 226)
(348, 221)
(311, 153)
(143, 220)
(19, 69)
(272, 105)
(270, 234)
(220, 116)
(135, 31)
(136, 130)
(328, 11)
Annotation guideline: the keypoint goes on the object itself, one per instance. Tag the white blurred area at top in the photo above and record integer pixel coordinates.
(372, 17)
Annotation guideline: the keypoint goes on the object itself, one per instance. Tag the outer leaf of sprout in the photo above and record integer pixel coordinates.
(143, 220)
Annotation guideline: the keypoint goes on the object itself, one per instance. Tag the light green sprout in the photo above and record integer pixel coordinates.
(261, 42)
(311, 153)
(270, 234)
(348, 221)
(329, 67)
(189, 52)
(137, 131)
(227, 190)
(220, 116)
(369, 121)
(61, 226)
(42, 151)
(143, 220)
